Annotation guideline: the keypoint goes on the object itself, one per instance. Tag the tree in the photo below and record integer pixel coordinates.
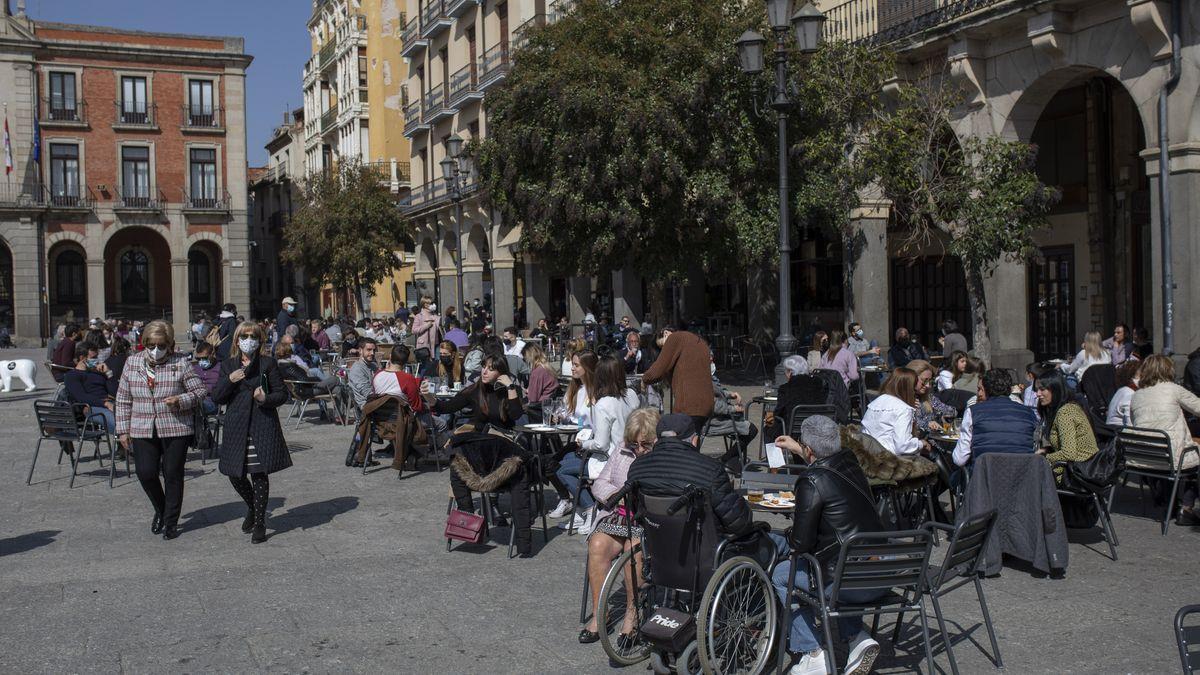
(347, 230)
(983, 194)
(621, 139)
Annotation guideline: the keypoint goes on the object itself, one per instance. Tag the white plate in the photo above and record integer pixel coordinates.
(567, 427)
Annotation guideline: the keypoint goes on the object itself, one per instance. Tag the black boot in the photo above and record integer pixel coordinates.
(156, 525)
(248, 521)
(170, 532)
(260, 534)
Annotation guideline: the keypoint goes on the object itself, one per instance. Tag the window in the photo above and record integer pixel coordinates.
(203, 180)
(135, 176)
(63, 105)
(199, 278)
(135, 277)
(133, 101)
(201, 111)
(70, 276)
(64, 174)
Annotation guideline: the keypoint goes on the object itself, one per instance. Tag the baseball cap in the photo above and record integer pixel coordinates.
(675, 425)
(289, 300)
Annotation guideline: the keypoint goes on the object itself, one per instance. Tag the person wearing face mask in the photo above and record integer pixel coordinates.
(287, 316)
(252, 445)
(206, 370)
(906, 349)
(87, 383)
(155, 398)
(450, 363)
(513, 344)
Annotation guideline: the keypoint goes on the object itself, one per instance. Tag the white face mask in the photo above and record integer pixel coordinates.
(157, 353)
(248, 345)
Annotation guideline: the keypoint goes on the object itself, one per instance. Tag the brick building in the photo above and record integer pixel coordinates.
(129, 180)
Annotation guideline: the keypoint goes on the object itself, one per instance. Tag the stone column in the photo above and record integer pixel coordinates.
(472, 281)
(180, 311)
(28, 291)
(503, 293)
(95, 287)
(870, 298)
(627, 296)
(537, 292)
(447, 288)
(1185, 246)
(1007, 293)
(578, 296)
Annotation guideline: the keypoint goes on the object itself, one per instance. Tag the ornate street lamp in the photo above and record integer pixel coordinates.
(453, 171)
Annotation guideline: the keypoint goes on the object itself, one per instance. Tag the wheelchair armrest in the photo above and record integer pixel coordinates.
(756, 529)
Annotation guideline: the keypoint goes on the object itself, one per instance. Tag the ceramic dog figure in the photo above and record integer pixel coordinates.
(22, 368)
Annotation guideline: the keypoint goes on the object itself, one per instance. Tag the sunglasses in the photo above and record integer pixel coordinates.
(644, 445)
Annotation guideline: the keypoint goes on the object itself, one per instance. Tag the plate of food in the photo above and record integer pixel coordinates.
(778, 500)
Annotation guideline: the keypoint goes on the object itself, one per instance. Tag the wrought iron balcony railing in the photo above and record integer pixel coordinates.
(131, 114)
(202, 118)
(59, 112)
(206, 200)
(139, 198)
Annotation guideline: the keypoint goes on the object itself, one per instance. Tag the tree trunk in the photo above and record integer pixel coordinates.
(358, 298)
(658, 304)
(849, 264)
(979, 318)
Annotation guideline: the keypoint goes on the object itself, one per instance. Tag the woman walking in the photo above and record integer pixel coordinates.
(252, 445)
(155, 397)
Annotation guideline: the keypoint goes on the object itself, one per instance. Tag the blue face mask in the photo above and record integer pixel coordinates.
(92, 363)
(205, 363)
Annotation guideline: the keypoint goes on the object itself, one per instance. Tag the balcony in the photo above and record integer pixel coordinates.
(206, 201)
(558, 9)
(325, 56)
(412, 119)
(60, 113)
(434, 18)
(129, 117)
(435, 105)
(393, 174)
(133, 198)
(493, 65)
(887, 21)
(70, 198)
(457, 8)
(26, 196)
(411, 42)
(202, 120)
(520, 34)
(464, 85)
(427, 196)
(329, 118)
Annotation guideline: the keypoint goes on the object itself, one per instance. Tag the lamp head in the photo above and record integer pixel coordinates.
(750, 52)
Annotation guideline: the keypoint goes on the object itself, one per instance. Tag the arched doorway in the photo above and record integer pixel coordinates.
(137, 274)
(7, 315)
(204, 278)
(67, 283)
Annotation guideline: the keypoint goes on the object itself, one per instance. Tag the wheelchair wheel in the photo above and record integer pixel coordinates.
(613, 608)
(688, 661)
(736, 624)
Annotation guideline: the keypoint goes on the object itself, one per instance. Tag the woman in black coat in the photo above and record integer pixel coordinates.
(252, 443)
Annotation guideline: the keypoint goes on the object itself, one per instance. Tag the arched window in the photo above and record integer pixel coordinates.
(135, 277)
(199, 277)
(70, 277)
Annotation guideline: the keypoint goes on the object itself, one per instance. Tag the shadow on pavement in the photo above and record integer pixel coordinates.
(312, 515)
(221, 513)
(27, 542)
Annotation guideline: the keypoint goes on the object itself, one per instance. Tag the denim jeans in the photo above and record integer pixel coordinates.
(568, 472)
(110, 420)
(803, 635)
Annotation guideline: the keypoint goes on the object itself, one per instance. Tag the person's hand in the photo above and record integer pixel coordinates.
(102, 368)
(769, 418)
(1040, 451)
(109, 405)
(1017, 389)
(123, 439)
(788, 443)
(925, 447)
(737, 398)
(504, 380)
(739, 408)
(171, 402)
(237, 375)
(259, 394)
(934, 426)
(875, 351)
(941, 341)
(426, 388)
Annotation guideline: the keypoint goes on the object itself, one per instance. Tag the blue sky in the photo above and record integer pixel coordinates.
(275, 33)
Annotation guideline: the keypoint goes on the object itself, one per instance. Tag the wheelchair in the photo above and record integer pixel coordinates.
(703, 602)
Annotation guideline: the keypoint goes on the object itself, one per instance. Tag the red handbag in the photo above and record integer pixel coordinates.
(464, 526)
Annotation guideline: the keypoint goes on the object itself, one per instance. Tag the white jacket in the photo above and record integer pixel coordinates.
(1161, 407)
(607, 432)
(1082, 362)
(890, 421)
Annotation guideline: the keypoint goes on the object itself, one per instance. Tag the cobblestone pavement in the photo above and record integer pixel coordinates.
(356, 578)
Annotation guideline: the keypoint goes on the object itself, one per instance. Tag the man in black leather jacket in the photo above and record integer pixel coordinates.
(676, 462)
(833, 501)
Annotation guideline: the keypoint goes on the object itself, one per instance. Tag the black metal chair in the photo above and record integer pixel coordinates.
(67, 423)
(868, 561)
(1148, 455)
(961, 565)
(1072, 485)
(799, 413)
(1188, 639)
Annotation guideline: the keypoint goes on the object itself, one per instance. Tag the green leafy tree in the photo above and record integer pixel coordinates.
(622, 139)
(983, 194)
(347, 231)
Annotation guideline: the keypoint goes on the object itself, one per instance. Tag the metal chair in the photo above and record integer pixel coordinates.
(68, 423)
(1073, 486)
(799, 413)
(868, 561)
(961, 565)
(302, 393)
(757, 476)
(1150, 450)
(1188, 639)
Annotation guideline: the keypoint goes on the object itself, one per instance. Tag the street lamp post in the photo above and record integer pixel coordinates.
(806, 23)
(453, 171)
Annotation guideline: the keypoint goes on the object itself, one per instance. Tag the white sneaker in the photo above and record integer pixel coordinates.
(590, 523)
(561, 509)
(863, 652)
(576, 522)
(810, 664)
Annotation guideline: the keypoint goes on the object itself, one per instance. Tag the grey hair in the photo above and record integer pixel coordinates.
(821, 435)
(796, 365)
(292, 330)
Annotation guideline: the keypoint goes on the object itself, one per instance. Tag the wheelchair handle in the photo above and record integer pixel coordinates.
(689, 493)
(611, 503)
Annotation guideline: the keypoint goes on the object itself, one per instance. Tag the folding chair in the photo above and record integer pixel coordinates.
(66, 422)
(302, 393)
(962, 565)
(1148, 455)
(868, 561)
(1188, 639)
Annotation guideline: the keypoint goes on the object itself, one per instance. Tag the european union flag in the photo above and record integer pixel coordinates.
(37, 140)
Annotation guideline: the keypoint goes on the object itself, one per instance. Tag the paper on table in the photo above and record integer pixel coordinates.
(774, 456)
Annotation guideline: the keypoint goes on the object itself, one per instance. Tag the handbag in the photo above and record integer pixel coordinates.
(464, 526)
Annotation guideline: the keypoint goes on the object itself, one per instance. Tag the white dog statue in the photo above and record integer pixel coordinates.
(22, 368)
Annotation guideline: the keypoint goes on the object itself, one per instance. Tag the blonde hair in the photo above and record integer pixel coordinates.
(534, 356)
(159, 329)
(642, 422)
(1091, 344)
(243, 328)
(425, 301)
(283, 350)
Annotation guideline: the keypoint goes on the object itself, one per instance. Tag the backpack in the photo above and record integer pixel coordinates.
(214, 336)
(1098, 471)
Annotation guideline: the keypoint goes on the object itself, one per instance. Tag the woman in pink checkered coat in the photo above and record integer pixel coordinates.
(156, 395)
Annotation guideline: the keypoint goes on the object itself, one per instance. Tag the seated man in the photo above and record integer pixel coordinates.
(455, 334)
(87, 383)
(394, 381)
(729, 418)
(996, 423)
(363, 371)
(676, 463)
(906, 349)
(635, 360)
(208, 372)
(800, 389)
(832, 502)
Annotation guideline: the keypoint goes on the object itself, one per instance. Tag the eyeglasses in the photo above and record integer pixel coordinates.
(644, 445)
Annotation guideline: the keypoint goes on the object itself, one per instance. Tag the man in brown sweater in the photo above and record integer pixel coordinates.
(686, 359)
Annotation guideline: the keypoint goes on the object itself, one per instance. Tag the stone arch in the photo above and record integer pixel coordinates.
(137, 272)
(216, 240)
(205, 275)
(66, 262)
(7, 297)
(158, 228)
(427, 258)
(66, 235)
(478, 249)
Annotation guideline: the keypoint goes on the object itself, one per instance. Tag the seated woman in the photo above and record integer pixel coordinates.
(473, 359)
(889, 418)
(1090, 354)
(952, 370)
(488, 462)
(449, 363)
(205, 363)
(839, 357)
(543, 382)
(574, 346)
(1066, 432)
(1159, 404)
(969, 379)
(800, 389)
(87, 383)
(819, 345)
(613, 534)
(1118, 413)
(291, 369)
(116, 362)
(930, 408)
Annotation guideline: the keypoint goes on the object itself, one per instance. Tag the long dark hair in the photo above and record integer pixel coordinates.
(836, 339)
(1053, 381)
(500, 365)
(609, 379)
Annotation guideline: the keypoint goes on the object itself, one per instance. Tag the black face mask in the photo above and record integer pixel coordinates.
(447, 361)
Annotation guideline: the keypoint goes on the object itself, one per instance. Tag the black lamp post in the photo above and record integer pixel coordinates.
(453, 171)
(806, 23)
